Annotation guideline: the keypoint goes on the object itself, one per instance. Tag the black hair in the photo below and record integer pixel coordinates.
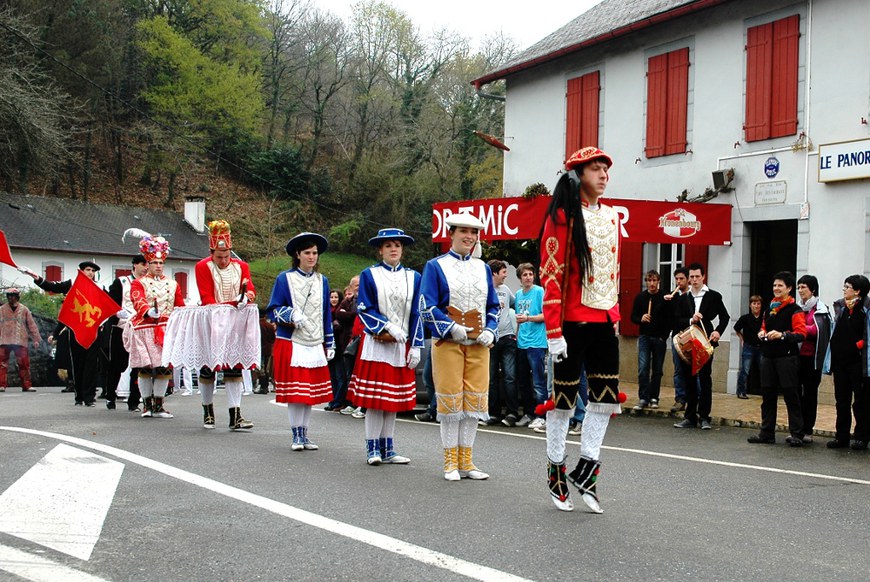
(696, 267)
(787, 277)
(859, 283)
(566, 197)
(139, 260)
(681, 271)
(811, 282)
(304, 246)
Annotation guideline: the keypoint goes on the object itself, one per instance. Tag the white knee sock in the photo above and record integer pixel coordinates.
(161, 383)
(206, 389)
(594, 427)
(306, 415)
(234, 392)
(374, 423)
(296, 414)
(467, 432)
(557, 433)
(389, 425)
(450, 433)
(146, 385)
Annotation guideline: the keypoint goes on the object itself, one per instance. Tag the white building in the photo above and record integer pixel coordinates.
(52, 236)
(675, 90)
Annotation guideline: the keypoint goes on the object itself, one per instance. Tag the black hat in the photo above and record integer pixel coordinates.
(306, 239)
(90, 264)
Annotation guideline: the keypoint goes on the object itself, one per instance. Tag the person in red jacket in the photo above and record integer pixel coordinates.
(221, 278)
(580, 244)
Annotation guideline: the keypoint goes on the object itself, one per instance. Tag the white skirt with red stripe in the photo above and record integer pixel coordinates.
(296, 384)
(381, 386)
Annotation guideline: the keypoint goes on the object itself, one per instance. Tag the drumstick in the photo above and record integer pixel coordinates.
(649, 308)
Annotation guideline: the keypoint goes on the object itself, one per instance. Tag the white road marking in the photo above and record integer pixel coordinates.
(39, 569)
(402, 548)
(62, 501)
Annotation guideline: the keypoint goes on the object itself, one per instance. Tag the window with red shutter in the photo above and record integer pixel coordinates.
(581, 120)
(667, 104)
(181, 279)
(53, 273)
(772, 55)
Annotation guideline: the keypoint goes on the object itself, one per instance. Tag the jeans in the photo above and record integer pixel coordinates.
(750, 358)
(503, 355)
(679, 382)
(580, 409)
(535, 359)
(429, 382)
(650, 361)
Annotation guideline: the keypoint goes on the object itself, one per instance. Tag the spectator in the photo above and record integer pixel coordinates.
(700, 306)
(650, 314)
(431, 414)
(267, 343)
(504, 352)
(337, 370)
(346, 315)
(747, 328)
(16, 328)
(532, 347)
(812, 351)
(847, 361)
(782, 330)
(681, 280)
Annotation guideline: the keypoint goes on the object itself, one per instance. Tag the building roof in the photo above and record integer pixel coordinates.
(608, 20)
(73, 226)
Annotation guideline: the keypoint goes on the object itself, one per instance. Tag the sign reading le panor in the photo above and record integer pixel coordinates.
(848, 160)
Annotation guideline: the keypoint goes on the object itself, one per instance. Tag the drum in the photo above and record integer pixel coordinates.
(220, 337)
(694, 347)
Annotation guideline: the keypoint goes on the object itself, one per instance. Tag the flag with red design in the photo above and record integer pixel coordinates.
(85, 308)
(5, 254)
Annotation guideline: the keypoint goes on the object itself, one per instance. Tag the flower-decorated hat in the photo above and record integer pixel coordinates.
(219, 238)
(154, 247)
(386, 234)
(585, 155)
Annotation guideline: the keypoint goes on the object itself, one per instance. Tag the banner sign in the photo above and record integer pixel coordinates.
(517, 218)
(844, 161)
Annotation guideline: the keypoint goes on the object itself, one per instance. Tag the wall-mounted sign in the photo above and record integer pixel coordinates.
(848, 160)
(771, 167)
(770, 193)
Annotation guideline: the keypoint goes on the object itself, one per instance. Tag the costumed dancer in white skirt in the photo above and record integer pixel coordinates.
(223, 279)
(383, 379)
(153, 296)
(304, 342)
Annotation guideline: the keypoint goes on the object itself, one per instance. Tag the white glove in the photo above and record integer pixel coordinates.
(27, 271)
(123, 314)
(243, 301)
(459, 333)
(299, 318)
(413, 357)
(153, 313)
(558, 349)
(395, 331)
(486, 338)
(330, 353)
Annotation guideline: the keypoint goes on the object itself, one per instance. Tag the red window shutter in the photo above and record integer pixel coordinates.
(572, 121)
(696, 254)
(783, 115)
(589, 110)
(53, 273)
(677, 103)
(122, 273)
(630, 284)
(181, 279)
(656, 105)
(759, 63)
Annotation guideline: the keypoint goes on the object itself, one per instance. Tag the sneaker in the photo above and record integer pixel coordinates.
(187, 392)
(537, 423)
(424, 417)
(90, 404)
(542, 427)
(743, 397)
(492, 421)
(760, 440)
(162, 413)
(653, 403)
(509, 420)
(678, 406)
(685, 423)
(575, 427)
(358, 413)
(110, 404)
(524, 421)
(794, 441)
(838, 444)
(808, 439)
(705, 425)
(640, 405)
(347, 410)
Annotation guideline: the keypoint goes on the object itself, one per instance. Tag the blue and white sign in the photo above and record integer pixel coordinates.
(844, 161)
(771, 167)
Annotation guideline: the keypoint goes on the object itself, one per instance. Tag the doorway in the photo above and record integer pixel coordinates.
(774, 249)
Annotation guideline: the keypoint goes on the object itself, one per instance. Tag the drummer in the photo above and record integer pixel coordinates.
(221, 278)
(699, 306)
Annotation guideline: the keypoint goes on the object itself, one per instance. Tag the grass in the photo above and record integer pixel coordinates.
(338, 268)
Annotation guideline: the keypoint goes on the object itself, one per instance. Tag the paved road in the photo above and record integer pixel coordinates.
(165, 499)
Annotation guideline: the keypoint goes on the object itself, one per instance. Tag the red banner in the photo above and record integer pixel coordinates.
(649, 221)
(85, 308)
(5, 254)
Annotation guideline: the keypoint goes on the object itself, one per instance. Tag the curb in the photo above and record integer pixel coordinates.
(719, 421)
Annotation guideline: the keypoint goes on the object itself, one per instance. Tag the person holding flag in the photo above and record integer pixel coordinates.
(79, 322)
(154, 296)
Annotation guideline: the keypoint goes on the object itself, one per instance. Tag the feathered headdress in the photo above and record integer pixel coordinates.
(153, 247)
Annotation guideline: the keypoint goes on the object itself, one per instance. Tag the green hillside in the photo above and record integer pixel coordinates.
(338, 268)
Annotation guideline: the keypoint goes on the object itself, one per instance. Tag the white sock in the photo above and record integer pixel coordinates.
(467, 432)
(206, 389)
(296, 414)
(234, 392)
(450, 433)
(146, 385)
(374, 422)
(389, 425)
(594, 427)
(161, 383)
(557, 433)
